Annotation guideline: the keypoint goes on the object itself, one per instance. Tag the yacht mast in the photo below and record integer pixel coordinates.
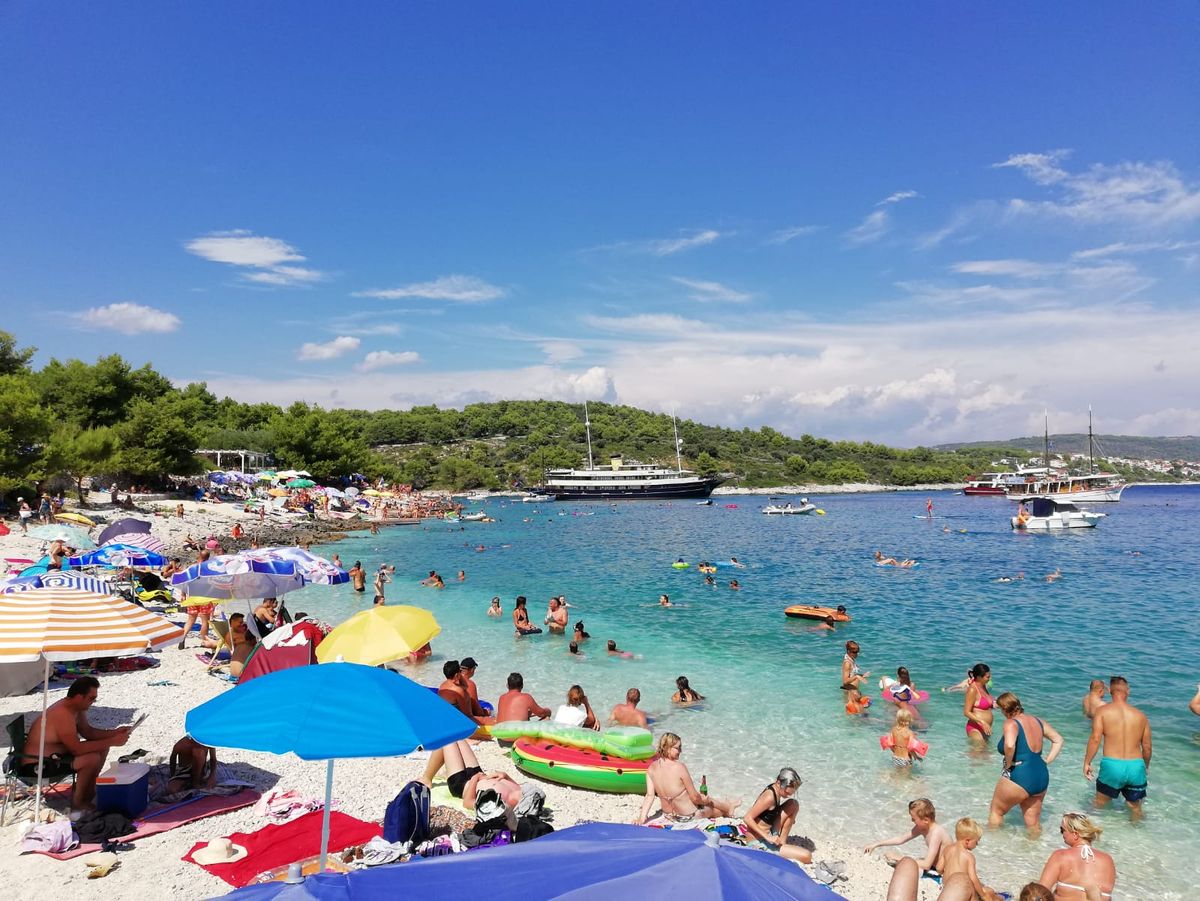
(1091, 454)
(678, 458)
(1046, 452)
(588, 426)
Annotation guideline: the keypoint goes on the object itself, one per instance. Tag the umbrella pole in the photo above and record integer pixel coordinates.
(37, 803)
(325, 815)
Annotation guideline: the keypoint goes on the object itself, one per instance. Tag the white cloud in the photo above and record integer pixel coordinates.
(1125, 248)
(665, 247)
(1134, 193)
(261, 259)
(561, 351)
(897, 197)
(1014, 268)
(871, 229)
(330, 350)
(382, 359)
(129, 319)
(784, 235)
(712, 292)
(457, 288)
(645, 324)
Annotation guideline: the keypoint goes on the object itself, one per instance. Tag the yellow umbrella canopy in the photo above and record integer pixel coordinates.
(75, 517)
(279, 492)
(375, 636)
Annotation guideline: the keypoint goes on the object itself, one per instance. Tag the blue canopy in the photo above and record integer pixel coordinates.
(229, 576)
(118, 555)
(593, 862)
(57, 579)
(329, 711)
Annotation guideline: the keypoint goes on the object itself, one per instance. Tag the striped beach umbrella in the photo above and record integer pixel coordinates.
(58, 579)
(68, 624)
(138, 539)
(119, 555)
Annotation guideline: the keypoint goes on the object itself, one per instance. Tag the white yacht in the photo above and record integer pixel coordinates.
(1093, 488)
(1044, 514)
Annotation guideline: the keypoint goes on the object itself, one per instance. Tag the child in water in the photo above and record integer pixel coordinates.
(902, 742)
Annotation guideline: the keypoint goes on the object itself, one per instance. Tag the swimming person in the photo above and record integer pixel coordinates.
(614, 651)
(978, 704)
(495, 609)
(772, 815)
(1194, 704)
(1125, 732)
(1072, 870)
(1094, 699)
(580, 634)
(685, 695)
(668, 781)
(1025, 777)
(664, 601)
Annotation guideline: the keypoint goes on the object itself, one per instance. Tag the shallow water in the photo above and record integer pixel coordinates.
(771, 683)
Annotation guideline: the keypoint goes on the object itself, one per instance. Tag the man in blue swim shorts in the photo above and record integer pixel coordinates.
(1125, 733)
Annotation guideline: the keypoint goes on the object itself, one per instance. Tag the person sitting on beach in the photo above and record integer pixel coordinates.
(772, 815)
(1125, 763)
(454, 691)
(958, 857)
(174, 565)
(1094, 699)
(904, 884)
(190, 543)
(266, 615)
(669, 782)
(242, 641)
(627, 714)
(577, 711)
(685, 695)
(521, 619)
(468, 667)
(192, 765)
(614, 651)
(465, 777)
(903, 742)
(518, 705)
(1079, 871)
(69, 736)
(495, 609)
(580, 634)
(924, 825)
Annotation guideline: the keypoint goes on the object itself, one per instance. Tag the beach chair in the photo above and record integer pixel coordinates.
(221, 627)
(55, 771)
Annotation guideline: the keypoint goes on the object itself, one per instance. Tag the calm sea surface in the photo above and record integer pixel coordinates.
(1127, 603)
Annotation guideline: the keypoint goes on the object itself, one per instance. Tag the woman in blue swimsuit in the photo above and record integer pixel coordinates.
(1025, 777)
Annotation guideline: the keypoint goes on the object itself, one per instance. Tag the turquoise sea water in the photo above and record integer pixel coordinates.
(772, 684)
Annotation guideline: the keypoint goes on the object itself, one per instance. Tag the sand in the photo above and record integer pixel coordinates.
(153, 869)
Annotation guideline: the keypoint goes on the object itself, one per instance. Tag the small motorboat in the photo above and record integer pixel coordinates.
(475, 517)
(537, 498)
(789, 509)
(1045, 514)
(707, 503)
(477, 496)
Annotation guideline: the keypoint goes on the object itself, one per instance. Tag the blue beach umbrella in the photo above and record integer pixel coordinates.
(58, 579)
(328, 712)
(593, 862)
(118, 555)
(229, 576)
(71, 536)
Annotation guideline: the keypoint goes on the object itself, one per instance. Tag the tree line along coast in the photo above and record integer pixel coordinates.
(71, 420)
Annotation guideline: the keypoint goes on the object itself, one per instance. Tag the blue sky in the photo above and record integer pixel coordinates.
(869, 221)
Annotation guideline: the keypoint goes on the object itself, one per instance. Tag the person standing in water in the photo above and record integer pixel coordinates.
(929, 508)
(978, 704)
(1094, 699)
(1125, 764)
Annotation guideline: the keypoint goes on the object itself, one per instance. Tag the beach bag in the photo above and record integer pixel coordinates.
(530, 827)
(407, 816)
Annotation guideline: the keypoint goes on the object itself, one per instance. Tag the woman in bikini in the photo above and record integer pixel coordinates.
(772, 815)
(978, 704)
(521, 619)
(685, 695)
(668, 781)
(852, 676)
(1072, 870)
(1025, 776)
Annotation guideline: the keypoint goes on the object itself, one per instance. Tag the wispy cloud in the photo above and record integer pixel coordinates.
(897, 197)
(712, 292)
(454, 288)
(330, 350)
(871, 229)
(1125, 248)
(646, 324)
(129, 319)
(1014, 268)
(383, 359)
(784, 235)
(561, 351)
(665, 247)
(1134, 193)
(261, 260)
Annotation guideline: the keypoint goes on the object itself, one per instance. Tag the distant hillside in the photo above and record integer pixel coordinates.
(1134, 447)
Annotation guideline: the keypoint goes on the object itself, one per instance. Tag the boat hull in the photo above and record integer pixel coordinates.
(992, 490)
(1108, 495)
(1057, 522)
(699, 488)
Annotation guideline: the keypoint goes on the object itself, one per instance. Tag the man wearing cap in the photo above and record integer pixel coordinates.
(516, 704)
(627, 714)
(468, 667)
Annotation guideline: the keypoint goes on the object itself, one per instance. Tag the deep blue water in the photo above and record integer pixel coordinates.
(1126, 603)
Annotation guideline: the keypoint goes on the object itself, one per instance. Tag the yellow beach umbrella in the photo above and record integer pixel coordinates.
(279, 492)
(378, 635)
(371, 492)
(75, 517)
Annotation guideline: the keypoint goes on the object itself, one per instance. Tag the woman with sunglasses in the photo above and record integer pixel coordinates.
(1073, 871)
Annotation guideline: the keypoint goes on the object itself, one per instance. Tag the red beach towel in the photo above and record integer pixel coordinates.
(165, 817)
(276, 846)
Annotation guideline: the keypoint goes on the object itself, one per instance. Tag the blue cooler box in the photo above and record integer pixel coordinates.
(124, 788)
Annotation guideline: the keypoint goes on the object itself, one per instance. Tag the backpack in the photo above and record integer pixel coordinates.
(407, 816)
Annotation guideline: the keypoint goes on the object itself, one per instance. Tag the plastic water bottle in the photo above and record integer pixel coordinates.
(704, 786)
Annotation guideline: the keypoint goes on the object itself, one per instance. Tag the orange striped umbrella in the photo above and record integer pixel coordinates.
(69, 624)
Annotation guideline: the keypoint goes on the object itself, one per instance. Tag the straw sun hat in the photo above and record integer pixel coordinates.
(219, 850)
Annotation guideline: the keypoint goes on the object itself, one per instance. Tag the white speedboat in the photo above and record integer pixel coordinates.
(789, 509)
(474, 517)
(537, 498)
(476, 496)
(1044, 514)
